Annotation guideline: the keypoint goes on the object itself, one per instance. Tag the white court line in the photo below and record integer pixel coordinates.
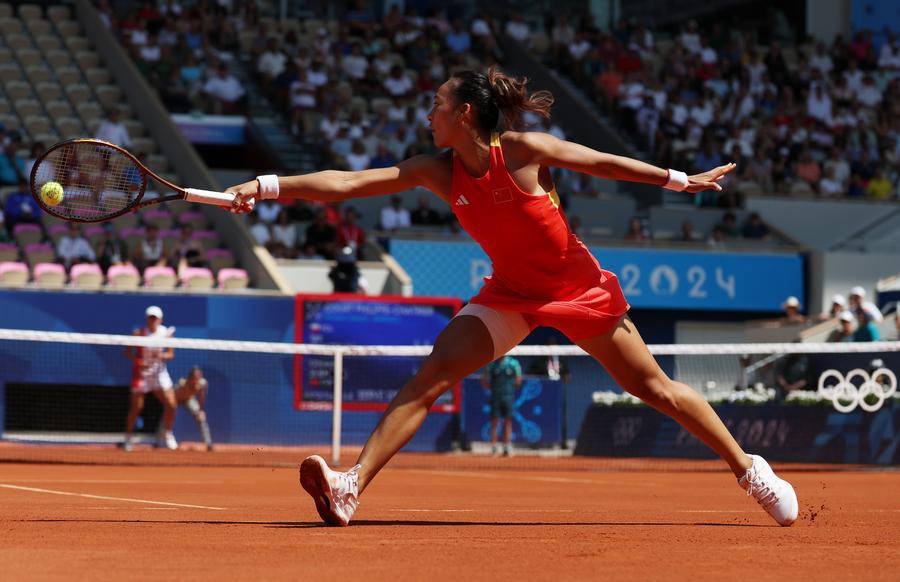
(108, 498)
(114, 481)
(714, 511)
(523, 477)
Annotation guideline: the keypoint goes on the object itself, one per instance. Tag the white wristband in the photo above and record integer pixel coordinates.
(677, 181)
(268, 187)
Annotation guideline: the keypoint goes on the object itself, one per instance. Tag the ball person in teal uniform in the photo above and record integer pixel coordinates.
(502, 377)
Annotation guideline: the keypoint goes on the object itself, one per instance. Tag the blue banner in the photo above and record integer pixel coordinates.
(536, 416)
(369, 382)
(656, 279)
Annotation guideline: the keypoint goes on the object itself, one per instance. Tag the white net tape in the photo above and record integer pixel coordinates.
(351, 350)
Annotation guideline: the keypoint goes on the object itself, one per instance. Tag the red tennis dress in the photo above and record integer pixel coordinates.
(541, 269)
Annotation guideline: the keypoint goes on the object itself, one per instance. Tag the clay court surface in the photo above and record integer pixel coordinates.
(435, 517)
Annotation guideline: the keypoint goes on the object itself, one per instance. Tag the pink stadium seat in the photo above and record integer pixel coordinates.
(193, 218)
(94, 234)
(13, 274)
(197, 278)
(208, 239)
(161, 218)
(49, 275)
(169, 236)
(26, 234)
(219, 259)
(39, 253)
(123, 277)
(233, 279)
(9, 252)
(57, 231)
(86, 276)
(163, 277)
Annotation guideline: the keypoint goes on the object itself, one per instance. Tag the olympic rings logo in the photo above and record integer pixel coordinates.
(856, 388)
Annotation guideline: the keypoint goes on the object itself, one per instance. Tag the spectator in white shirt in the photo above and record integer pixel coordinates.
(398, 84)
(272, 62)
(889, 56)
(518, 29)
(268, 211)
(317, 75)
(869, 95)
(260, 231)
(395, 216)
(113, 131)
(818, 104)
(708, 54)
(151, 51)
(284, 236)
(225, 91)
(830, 186)
(840, 166)
(358, 159)
(355, 64)
(854, 76)
(856, 302)
(821, 60)
(74, 248)
(690, 40)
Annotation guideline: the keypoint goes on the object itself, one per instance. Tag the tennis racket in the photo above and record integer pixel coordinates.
(101, 181)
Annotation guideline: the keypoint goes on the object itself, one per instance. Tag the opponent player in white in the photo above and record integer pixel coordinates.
(191, 393)
(150, 374)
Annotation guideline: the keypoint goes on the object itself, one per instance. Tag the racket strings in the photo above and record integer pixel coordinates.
(98, 181)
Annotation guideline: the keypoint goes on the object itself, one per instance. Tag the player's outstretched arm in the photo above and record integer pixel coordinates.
(548, 150)
(336, 185)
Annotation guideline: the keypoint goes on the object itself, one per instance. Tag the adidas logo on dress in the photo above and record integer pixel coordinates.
(461, 201)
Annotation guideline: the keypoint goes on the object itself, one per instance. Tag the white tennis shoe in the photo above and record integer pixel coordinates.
(336, 493)
(170, 441)
(774, 494)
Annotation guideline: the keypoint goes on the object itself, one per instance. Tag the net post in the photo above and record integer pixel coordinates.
(337, 405)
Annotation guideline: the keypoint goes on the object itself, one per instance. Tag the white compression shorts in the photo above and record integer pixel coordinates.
(507, 328)
(151, 382)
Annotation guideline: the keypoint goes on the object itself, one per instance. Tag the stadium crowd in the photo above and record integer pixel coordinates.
(812, 119)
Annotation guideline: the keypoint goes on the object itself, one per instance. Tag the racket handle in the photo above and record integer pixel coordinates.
(208, 197)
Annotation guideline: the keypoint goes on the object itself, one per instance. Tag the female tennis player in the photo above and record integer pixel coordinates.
(499, 186)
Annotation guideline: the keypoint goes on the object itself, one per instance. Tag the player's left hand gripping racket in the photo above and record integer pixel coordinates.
(100, 181)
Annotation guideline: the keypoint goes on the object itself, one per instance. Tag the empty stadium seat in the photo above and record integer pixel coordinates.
(8, 252)
(197, 278)
(208, 239)
(57, 231)
(58, 58)
(219, 259)
(16, 90)
(86, 59)
(47, 42)
(69, 29)
(37, 124)
(39, 28)
(10, 26)
(70, 127)
(132, 235)
(6, 10)
(39, 253)
(28, 57)
(233, 279)
(160, 218)
(76, 43)
(79, 93)
(30, 12)
(26, 234)
(195, 219)
(97, 76)
(48, 91)
(160, 277)
(94, 234)
(123, 277)
(51, 275)
(27, 108)
(58, 14)
(13, 274)
(68, 75)
(87, 276)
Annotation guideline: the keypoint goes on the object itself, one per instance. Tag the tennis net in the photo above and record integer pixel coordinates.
(65, 397)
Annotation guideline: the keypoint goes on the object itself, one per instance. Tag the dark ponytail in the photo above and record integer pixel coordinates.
(499, 100)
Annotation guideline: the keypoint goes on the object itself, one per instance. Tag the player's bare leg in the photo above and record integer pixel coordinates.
(464, 346)
(507, 436)
(494, 450)
(625, 356)
(135, 406)
(167, 399)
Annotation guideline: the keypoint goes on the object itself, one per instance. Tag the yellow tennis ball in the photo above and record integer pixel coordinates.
(52, 193)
